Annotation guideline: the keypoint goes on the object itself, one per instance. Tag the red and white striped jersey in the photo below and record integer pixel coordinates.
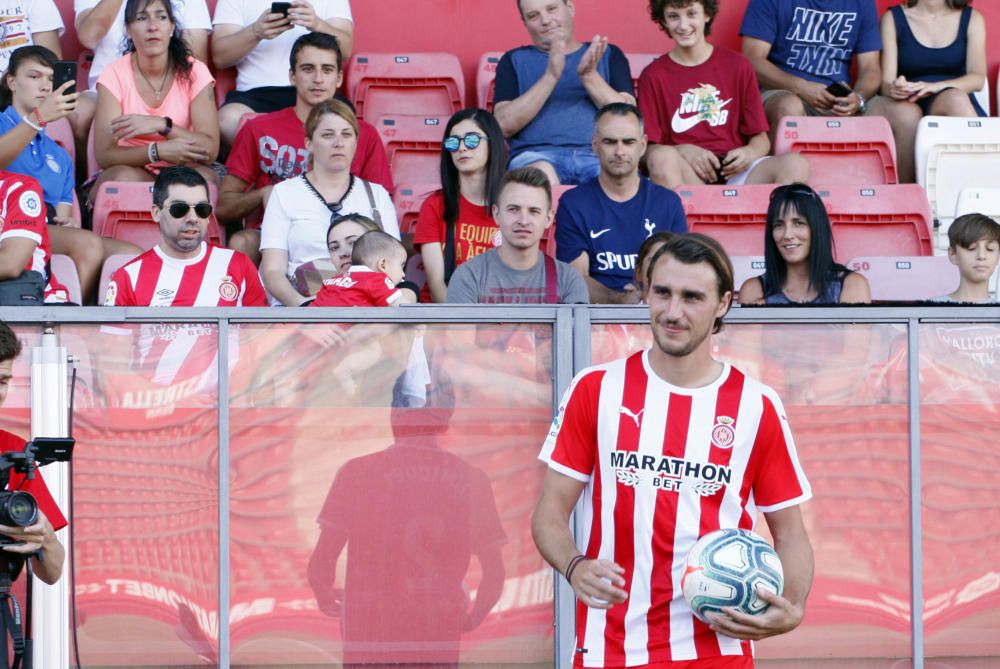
(22, 214)
(664, 466)
(216, 277)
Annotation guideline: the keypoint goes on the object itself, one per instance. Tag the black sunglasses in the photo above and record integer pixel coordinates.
(180, 209)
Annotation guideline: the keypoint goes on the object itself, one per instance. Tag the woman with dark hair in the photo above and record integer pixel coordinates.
(156, 104)
(27, 101)
(798, 255)
(933, 61)
(456, 223)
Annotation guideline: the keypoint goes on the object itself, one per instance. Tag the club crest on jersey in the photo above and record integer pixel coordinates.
(31, 203)
(111, 296)
(723, 434)
(228, 290)
(389, 284)
(667, 473)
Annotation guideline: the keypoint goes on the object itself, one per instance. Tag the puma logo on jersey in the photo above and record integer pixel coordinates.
(636, 417)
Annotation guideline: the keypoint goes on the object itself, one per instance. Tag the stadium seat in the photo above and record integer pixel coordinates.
(225, 81)
(955, 153)
(637, 62)
(408, 199)
(547, 245)
(745, 267)
(486, 75)
(413, 147)
(382, 84)
(83, 63)
(65, 273)
(61, 132)
(983, 95)
(111, 265)
(121, 211)
(906, 278)
(854, 151)
(877, 220)
(978, 201)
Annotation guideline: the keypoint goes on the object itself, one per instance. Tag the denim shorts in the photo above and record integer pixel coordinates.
(574, 166)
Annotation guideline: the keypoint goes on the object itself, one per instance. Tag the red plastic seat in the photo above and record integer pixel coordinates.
(854, 151)
(903, 278)
(637, 62)
(111, 265)
(486, 75)
(734, 216)
(547, 245)
(121, 211)
(65, 273)
(889, 220)
(62, 134)
(408, 199)
(382, 84)
(413, 147)
(225, 81)
(745, 267)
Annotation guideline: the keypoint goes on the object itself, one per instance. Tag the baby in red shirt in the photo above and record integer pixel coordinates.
(378, 264)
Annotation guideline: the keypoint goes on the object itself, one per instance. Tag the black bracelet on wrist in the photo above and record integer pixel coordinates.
(572, 566)
(410, 286)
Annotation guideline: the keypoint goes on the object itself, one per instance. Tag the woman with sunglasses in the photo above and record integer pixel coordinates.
(798, 256)
(456, 222)
(156, 104)
(299, 211)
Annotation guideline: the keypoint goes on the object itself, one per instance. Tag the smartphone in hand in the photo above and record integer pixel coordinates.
(63, 71)
(839, 89)
(280, 7)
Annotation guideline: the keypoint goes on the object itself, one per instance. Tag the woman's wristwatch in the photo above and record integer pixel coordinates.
(169, 126)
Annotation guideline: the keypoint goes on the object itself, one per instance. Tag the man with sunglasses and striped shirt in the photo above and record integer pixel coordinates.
(183, 270)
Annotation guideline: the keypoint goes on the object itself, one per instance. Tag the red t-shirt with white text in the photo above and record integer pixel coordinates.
(664, 466)
(715, 105)
(358, 287)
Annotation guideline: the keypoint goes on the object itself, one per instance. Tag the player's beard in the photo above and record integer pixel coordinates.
(680, 349)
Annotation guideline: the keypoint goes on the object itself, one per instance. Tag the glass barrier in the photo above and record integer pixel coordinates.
(145, 492)
(851, 431)
(382, 481)
(960, 475)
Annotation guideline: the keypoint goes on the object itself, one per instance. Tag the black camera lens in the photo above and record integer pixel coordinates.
(17, 509)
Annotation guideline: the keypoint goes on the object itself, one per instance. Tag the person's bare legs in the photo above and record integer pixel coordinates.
(778, 105)
(549, 169)
(903, 117)
(248, 243)
(784, 169)
(952, 102)
(88, 252)
(229, 121)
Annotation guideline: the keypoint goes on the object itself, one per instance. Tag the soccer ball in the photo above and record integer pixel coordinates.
(726, 568)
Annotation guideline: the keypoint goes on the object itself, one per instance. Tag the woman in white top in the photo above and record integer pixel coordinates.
(299, 211)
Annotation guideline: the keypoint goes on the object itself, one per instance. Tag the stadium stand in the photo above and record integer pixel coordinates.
(745, 267)
(547, 244)
(111, 266)
(952, 154)
(421, 83)
(65, 271)
(408, 199)
(637, 62)
(413, 146)
(486, 74)
(857, 150)
(904, 278)
(121, 211)
(62, 133)
(877, 220)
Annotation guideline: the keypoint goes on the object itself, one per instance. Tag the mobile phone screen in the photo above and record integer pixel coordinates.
(63, 71)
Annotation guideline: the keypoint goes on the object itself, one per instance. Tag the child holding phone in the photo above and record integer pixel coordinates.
(704, 116)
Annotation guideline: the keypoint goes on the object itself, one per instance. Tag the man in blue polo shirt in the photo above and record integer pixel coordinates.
(547, 93)
(601, 224)
(800, 47)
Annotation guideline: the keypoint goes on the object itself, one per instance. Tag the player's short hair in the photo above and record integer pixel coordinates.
(521, 11)
(180, 176)
(657, 7)
(317, 41)
(333, 106)
(968, 229)
(362, 220)
(693, 248)
(619, 109)
(660, 237)
(10, 345)
(373, 246)
(526, 176)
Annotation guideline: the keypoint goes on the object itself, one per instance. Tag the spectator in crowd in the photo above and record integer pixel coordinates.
(155, 104)
(601, 224)
(926, 71)
(24, 245)
(703, 108)
(456, 223)
(183, 270)
(646, 253)
(249, 36)
(517, 272)
(973, 247)
(100, 26)
(378, 267)
(547, 93)
(30, 22)
(798, 256)
(271, 148)
(802, 53)
(25, 148)
(38, 540)
(299, 210)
